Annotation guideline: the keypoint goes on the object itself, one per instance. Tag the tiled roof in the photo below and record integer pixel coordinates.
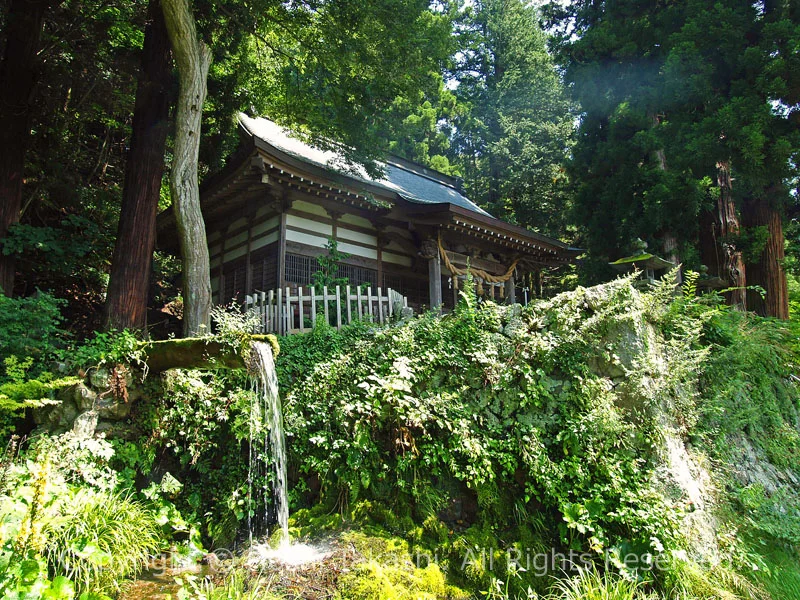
(413, 183)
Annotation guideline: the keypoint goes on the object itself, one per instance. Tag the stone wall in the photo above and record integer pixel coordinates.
(101, 403)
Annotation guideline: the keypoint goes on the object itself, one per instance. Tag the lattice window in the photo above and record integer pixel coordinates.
(358, 275)
(264, 270)
(299, 269)
(413, 288)
(234, 276)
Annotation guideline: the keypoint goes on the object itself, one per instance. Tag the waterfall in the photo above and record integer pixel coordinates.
(268, 447)
(267, 443)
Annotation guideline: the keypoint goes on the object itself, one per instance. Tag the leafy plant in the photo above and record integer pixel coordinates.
(327, 274)
(100, 539)
(521, 419)
(30, 327)
(106, 348)
(590, 584)
(28, 579)
(236, 586)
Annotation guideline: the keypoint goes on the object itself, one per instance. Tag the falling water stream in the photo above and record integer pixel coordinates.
(268, 449)
(266, 413)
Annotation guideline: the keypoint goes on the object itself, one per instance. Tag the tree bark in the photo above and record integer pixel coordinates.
(718, 246)
(193, 59)
(126, 301)
(767, 271)
(17, 81)
(669, 242)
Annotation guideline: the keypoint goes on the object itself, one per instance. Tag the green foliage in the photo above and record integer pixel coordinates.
(198, 423)
(687, 579)
(781, 575)
(18, 393)
(30, 327)
(327, 274)
(29, 579)
(342, 67)
(747, 385)
(235, 586)
(374, 581)
(775, 515)
(519, 415)
(195, 413)
(233, 327)
(589, 584)
(301, 353)
(513, 128)
(79, 461)
(419, 127)
(662, 88)
(100, 538)
(108, 348)
(60, 515)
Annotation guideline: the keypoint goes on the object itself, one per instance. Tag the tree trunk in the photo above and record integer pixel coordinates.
(17, 80)
(126, 302)
(767, 271)
(720, 253)
(193, 59)
(669, 242)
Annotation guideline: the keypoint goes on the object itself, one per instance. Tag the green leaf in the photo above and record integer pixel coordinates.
(61, 588)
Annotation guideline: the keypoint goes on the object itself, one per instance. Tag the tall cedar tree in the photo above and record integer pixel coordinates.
(627, 183)
(126, 299)
(18, 75)
(674, 96)
(514, 135)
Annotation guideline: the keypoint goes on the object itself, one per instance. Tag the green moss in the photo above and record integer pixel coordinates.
(375, 581)
(272, 340)
(391, 572)
(307, 522)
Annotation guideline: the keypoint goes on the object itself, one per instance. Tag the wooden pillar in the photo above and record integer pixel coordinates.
(511, 291)
(381, 242)
(224, 236)
(284, 205)
(334, 216)
(435, 282)
(248, 275)
(380, 265)
(430, 251)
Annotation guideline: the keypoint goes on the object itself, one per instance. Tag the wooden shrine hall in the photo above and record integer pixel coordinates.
(279, 201)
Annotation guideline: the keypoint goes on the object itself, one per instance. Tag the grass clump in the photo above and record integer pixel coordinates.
(100, 539)
(590, 584)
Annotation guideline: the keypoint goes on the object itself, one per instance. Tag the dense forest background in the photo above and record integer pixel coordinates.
(607, 125)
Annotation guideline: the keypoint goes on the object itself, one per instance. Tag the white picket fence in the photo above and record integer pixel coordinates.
(283, 313)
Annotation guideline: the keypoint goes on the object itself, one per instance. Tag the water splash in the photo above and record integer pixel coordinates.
(288, 555)
(267, 444)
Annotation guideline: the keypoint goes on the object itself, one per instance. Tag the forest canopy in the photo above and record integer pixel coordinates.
(606, 125)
